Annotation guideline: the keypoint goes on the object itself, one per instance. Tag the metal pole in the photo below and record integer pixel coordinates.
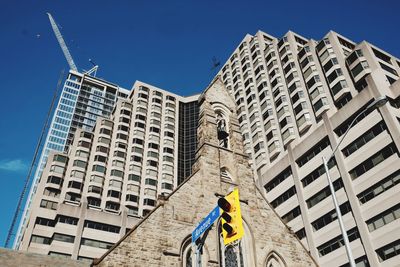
(339, 216)
(198, 256)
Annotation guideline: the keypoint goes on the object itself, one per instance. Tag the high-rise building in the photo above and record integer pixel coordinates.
(112, 176)
(295, 100)
(82, 100)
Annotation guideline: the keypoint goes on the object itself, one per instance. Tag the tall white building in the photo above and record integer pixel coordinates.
(295, 99)
(112, 176)
(82, 99)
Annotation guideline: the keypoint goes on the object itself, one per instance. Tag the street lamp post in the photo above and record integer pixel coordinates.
(380, 101)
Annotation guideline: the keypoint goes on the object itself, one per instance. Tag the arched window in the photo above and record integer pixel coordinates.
(274, 260)
(186, 254)
(225, 174)
(222, 128)
(230, 255)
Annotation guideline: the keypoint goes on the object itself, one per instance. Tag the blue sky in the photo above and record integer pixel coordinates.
(169, 44)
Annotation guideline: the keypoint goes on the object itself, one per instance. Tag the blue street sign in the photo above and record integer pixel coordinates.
(205, 224)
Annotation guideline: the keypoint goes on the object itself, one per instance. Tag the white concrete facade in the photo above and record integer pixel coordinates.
(294, 99)
(110, 178)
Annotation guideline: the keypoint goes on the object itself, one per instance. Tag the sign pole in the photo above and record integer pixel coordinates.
(198, 256)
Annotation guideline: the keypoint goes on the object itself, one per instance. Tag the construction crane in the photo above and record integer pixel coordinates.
(61, 41)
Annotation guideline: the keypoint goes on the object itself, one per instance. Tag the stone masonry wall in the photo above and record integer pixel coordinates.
(12, 258)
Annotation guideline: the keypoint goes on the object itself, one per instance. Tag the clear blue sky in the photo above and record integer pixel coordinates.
(168, 44)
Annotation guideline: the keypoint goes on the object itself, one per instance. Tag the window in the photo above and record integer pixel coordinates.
(102, 149)
(48, 204)
(167, 186)
(60, 158)
(315, 174)
(100, 158)
(311, 153)
(63, 238)
(96, 179)
(389, 251)
(285, 196)
(73, 197)
(353, 56)
(80, 163)
(51, 192)
(132, 198)
(104, 140)
(365, 138)
(360, 262)
(96, 243)
(168, 150)
(134, 177)
(338, 86)
(337, 242)
(300, 234)
(40, 240)
(330, 63)
(359, 68)
(122, 136)
(152, 163)
(324, 193)
(57, 169)
(342, 128)
(105, 131)
(94, 189)
(54, 180)
(112, 206)
(137, 141)
(118, 163)
(320, 103)
(120, 154)
(117, 173)
(115, 183)
(384, 218)
(94, 201)
(99, 168)
(336, 73)
(150, 181)
(374, 160)
(113, 193)
(75, 184)
(45, 222)
(379, 187)
(67, 219)
(132, 211)
(81, 153)
(153, 145)
(330, 217)
(102, 226)
(381, 56)
(278, 179)
(149, 202)
(291, 214)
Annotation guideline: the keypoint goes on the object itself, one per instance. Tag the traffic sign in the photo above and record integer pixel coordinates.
(205, 224)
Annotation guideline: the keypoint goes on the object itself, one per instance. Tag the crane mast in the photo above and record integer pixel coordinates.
(61, 41)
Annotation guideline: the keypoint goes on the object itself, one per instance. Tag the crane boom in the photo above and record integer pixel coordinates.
(61, 41)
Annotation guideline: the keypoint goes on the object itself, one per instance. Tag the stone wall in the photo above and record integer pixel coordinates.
(13, 258)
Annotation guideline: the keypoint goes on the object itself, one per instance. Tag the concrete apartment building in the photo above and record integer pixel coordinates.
(295, 98)
(83, 98)
(112, 176)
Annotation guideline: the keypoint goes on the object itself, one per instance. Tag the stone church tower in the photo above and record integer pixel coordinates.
(163, 238)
